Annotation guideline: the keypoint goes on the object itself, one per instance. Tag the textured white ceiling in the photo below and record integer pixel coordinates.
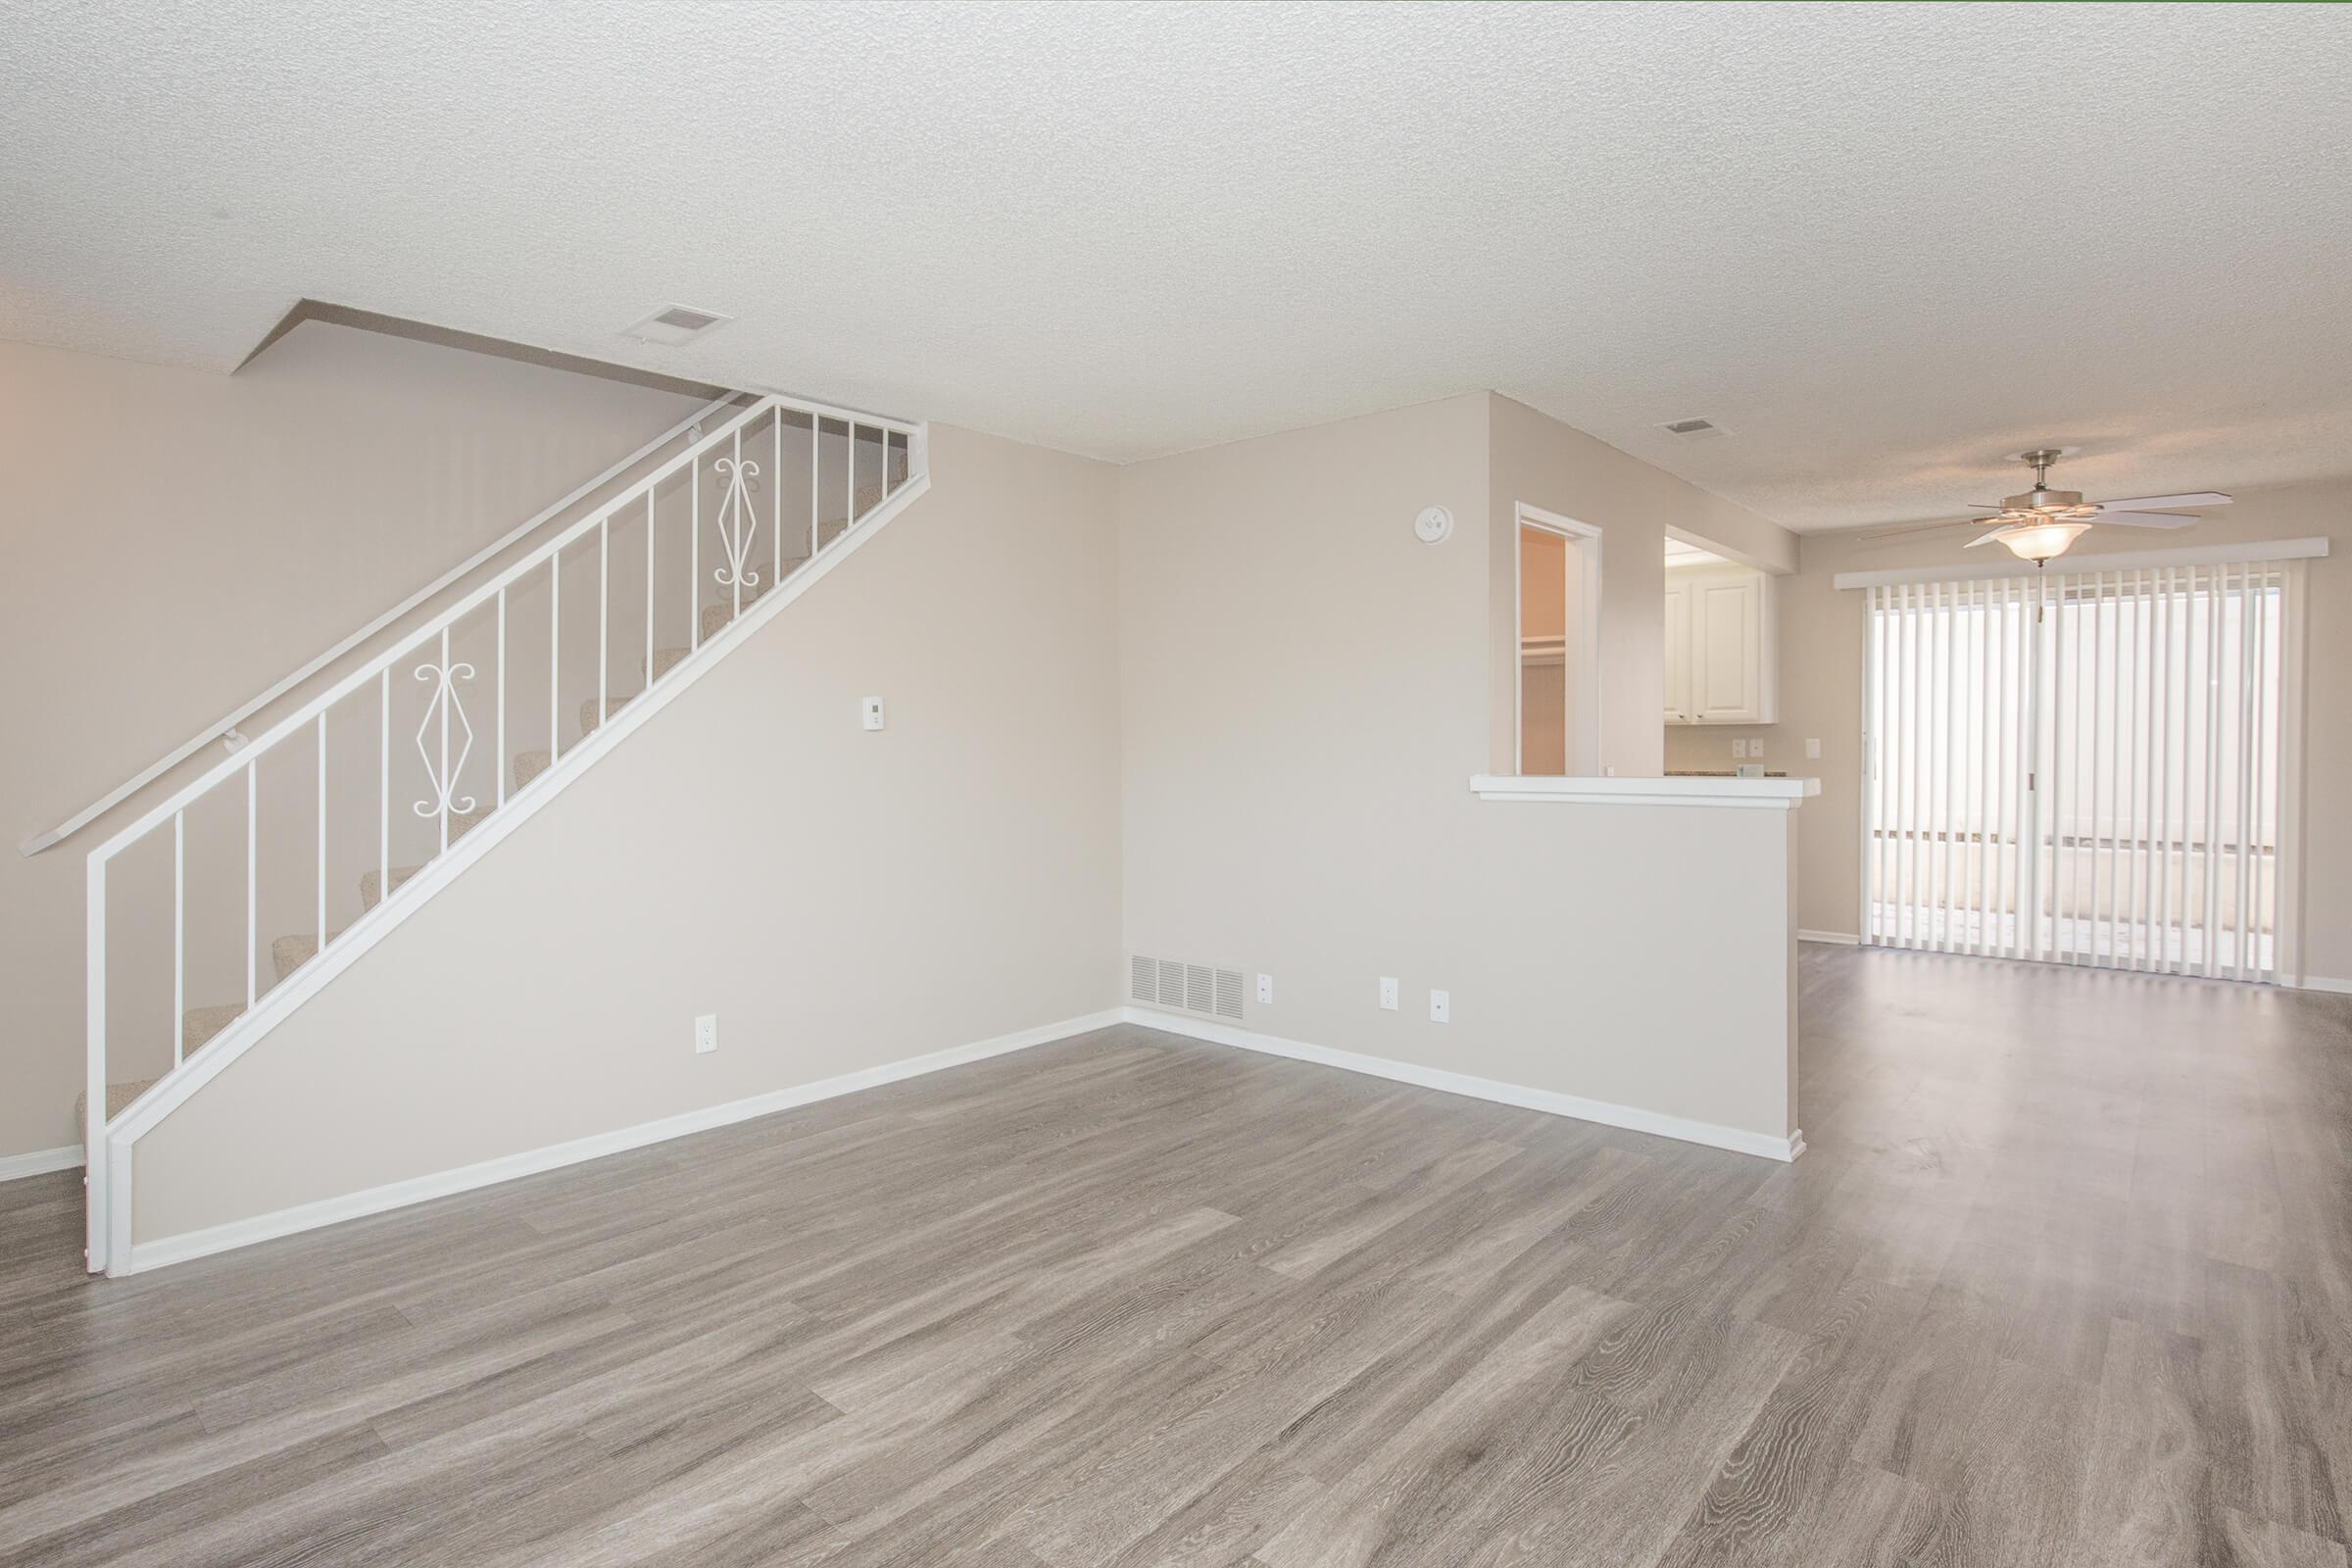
(1883, 246)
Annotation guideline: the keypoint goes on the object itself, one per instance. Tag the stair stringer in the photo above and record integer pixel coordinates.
(153, 1108)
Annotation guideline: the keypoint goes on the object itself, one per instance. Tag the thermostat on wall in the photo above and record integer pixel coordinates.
(1434, 525)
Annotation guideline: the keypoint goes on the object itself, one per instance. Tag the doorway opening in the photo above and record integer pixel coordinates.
(1558, 678)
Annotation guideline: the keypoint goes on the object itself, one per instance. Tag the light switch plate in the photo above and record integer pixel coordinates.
(1755, 748)
(1265, 991)
(1440, 1007)
(1813, 751)
(870, 713)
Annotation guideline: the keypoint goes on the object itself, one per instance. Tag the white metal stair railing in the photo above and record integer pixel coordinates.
(421, 713)
(224, 728)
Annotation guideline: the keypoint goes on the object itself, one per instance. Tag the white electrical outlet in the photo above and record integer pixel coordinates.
(1440, 1007)
(1265, 991)
(1388, 991)
(1739, 749)
(1813, 751)
(1755, 748)
(870, 711)
(706, 1033)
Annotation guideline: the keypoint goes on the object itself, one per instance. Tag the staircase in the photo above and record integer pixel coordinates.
(564, 647)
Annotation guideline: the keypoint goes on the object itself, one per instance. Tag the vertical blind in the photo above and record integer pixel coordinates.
(2080, 767)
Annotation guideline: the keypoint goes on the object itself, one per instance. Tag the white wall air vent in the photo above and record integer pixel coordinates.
(1184, 987)
(1229, 994)
(673, 325)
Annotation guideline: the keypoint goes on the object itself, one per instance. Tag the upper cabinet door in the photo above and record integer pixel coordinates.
(1730, 616)
(1677, 651)
(1720, 655)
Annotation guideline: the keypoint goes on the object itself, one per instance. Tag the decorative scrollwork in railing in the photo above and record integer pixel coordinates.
(737, 522)
(444, 705)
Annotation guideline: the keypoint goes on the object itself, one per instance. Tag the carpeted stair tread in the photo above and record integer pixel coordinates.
(291, 952)
(717, 616)
(117, 1099)
(197, 1027)
(612, 705)
(200, 1024)
(370, 897)
(528, 765)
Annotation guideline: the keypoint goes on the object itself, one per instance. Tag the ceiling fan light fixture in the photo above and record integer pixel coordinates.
(2040, 542)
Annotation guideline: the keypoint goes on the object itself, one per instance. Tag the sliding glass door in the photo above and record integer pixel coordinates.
(2082, 767)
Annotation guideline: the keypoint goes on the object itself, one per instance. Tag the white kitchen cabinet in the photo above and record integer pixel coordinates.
(1721, 641)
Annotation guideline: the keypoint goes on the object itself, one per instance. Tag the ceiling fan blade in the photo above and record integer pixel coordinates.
(1984, 538)
(2145, 519)
(2203, 498)
(1902, 529)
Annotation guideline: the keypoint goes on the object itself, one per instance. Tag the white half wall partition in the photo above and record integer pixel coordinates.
(1304, 694)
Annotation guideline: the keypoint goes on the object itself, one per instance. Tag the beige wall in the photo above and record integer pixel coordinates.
(175, 541)
(1821, 696)
(841, 900)
(1307, 689)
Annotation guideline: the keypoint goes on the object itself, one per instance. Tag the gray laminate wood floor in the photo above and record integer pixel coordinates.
(2067, 1278)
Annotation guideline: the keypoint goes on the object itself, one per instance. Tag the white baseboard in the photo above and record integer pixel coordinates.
(169, 1249)
(39, 1162)
(1842, 939)
(2321, 982)
(1630, 1117)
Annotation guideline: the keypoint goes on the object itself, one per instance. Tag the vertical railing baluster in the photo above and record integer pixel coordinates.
(498, 753)
(253, 856)
(179, 935)
(383, 787)
(449, 785)
(603, 612)
(694, 552)
(98, 1208)
(816, 462)
(849, 502)
(775, 482)
(649, 585)
(322, 831)
(554, 655)
(742, 528)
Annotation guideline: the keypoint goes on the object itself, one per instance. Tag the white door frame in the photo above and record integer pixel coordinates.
(1585, 540)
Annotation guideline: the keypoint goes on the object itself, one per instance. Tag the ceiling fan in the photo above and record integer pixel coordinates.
(2039, 524)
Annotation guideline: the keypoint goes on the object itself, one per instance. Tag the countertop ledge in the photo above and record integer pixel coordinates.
(1752, 794)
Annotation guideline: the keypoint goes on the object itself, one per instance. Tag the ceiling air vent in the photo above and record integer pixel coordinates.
(1184, 987)
(1694, 429)
(673, 325)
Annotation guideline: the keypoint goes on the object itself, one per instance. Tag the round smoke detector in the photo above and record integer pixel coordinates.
(1434, 525)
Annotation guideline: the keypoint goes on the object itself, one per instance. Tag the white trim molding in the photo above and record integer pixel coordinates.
(39, 1162)
(2119, 561)
(140, 1256)
(1840, 938)
(1752, 794)
(1632, 1118)
(2321, 982)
